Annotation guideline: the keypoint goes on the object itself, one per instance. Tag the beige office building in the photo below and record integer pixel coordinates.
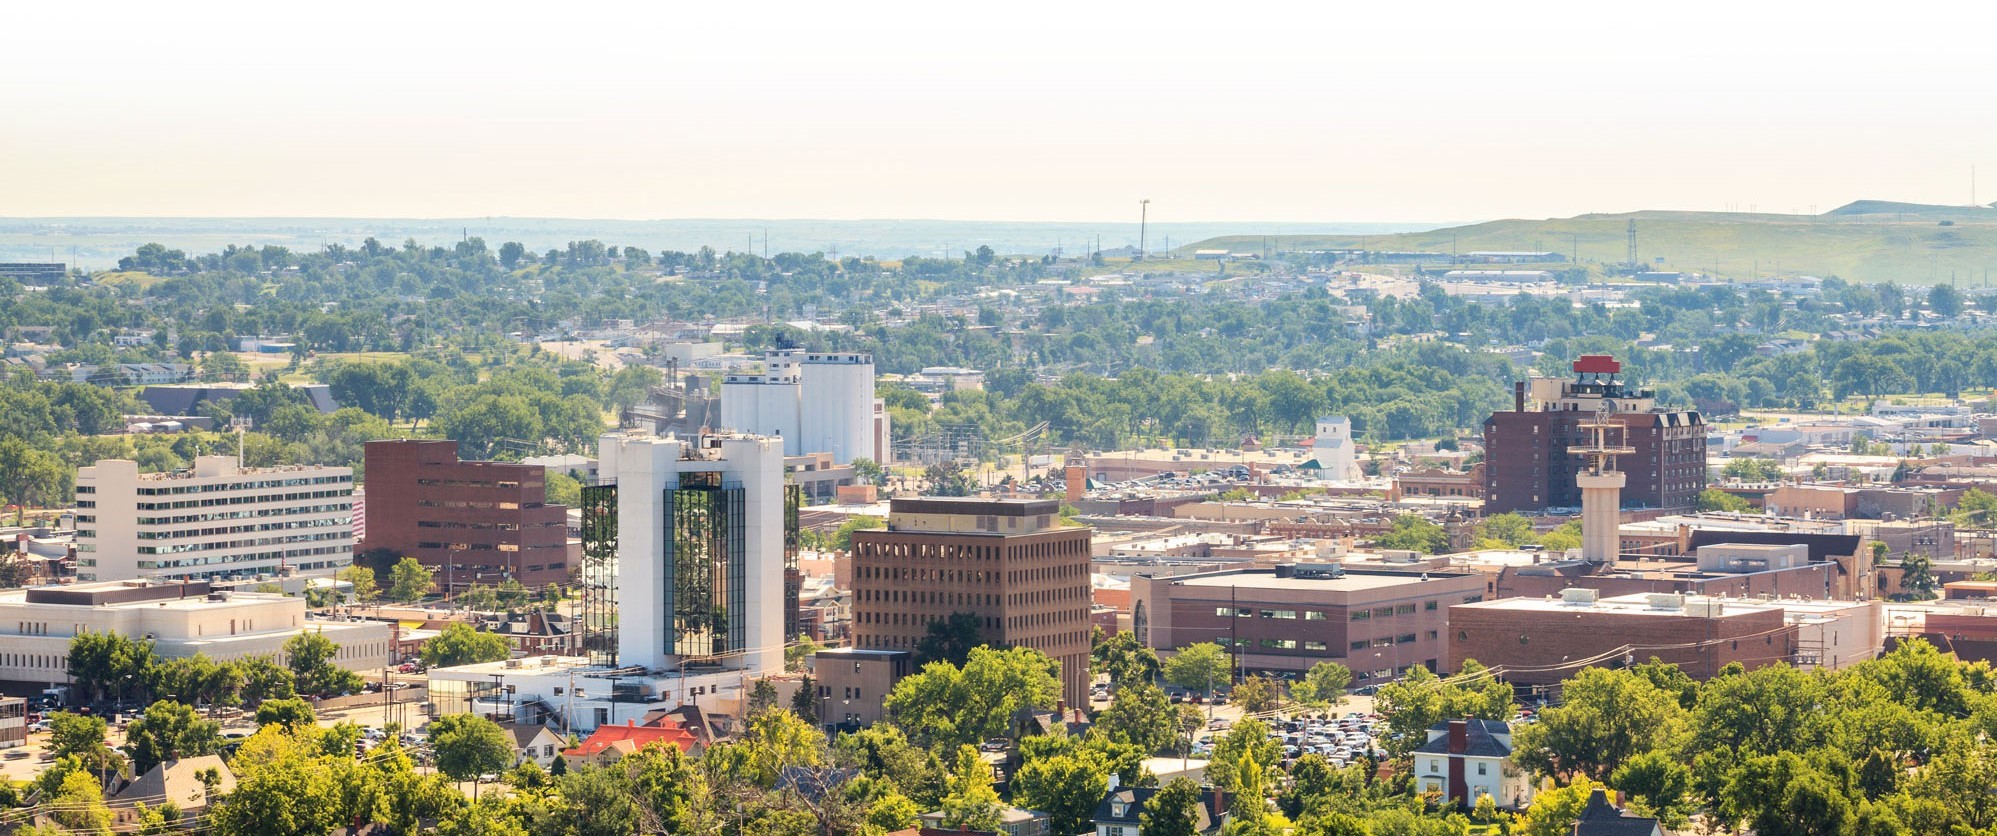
(214, 520)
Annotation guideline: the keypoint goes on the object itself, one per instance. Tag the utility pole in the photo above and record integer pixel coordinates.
(1143, 219)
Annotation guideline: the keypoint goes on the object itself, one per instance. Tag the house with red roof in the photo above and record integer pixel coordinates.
(609, 743)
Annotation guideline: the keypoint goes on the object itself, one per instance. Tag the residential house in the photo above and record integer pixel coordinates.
(539, 744)
(610, 743)
(1120, 812)
(1013, 822)
(178, 782)
(1466, 759)
(1601, 818)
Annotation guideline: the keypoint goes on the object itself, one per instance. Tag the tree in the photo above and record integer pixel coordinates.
(1510, 529)
(1202, 667)
(1124, 660)
(461, 644)
(264, 679)
(1784, 795)
(1248, 810)
(310, 657)
(1172, 811)
(943, 705)
(1752, 469)
(1714, 499)
(1245, 745)
(971, 803)
(510, 254)
(108, 664)
(1659, 782)
(1140, 715)
(1420, 700)
(1554, 812)
(468, 746)
(1067, 787)
(78, 806)
(762, 698)
(288, 713)
(1324, 684)
(1257, 694)
(82, 737)
(949, 639)
(360, 582)
(802, 702)
(170, 731)
(868, 472)
(1413, 532)
(798, 650)
(478, 597)
(947, 478)
(409, 581)
(29, 477)
(1917, 579)
(1945, 300)
(1606, 717)
(778, 740)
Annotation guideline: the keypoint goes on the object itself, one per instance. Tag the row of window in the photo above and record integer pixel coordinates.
(475, 547)
(255, 557)
(468, 505)
(221, 545)
(219, 501)
(251, 485)
(328, 522)
(474, 483)
(218, 516)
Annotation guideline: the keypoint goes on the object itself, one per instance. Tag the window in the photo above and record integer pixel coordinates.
(1359, 645)
(1313, 615)
(1361, 615)
(1483, 768)
(1280, 644)
(1472, 599)
(1405, 638)
(1383, 612)
(1284, 614)
(1404, 609)
(1434, 765)
(1309, 645)
(1428, 606)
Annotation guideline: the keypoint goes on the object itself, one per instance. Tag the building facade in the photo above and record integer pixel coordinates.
(1284, 620)
(1008, 562)
(469, 522)
(181, 619)
(1465, 760)
(214, 520)
(853, 684)
(1528, 465)
(1547, 641)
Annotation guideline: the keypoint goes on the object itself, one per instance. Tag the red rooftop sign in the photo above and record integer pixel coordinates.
(1597, 364)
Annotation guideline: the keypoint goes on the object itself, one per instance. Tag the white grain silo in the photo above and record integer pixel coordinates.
(767, 403)
(837, 405)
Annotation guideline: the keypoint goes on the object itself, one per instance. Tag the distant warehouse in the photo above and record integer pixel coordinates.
(1520, 276)
(1512, 257)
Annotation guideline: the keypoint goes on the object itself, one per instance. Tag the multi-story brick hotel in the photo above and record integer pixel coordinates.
(470, 522)
(1009, 562)
(1527, 464)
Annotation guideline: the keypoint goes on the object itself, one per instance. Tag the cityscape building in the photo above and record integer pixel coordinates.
(215, 519)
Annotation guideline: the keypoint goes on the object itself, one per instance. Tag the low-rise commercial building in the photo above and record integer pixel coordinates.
(853, 684)
(180, 619)
(1537, 641)
(1285, 619)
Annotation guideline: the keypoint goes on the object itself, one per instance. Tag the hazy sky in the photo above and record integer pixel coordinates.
(1319, 111)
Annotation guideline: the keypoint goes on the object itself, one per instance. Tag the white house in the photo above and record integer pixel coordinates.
(1464, 760)
(539, 744)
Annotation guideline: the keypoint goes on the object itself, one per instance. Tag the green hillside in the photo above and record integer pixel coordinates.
(1865, 241)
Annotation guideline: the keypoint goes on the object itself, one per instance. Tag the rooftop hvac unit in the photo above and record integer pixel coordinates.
(1577, 595)
(513, 664)
(1666, 601)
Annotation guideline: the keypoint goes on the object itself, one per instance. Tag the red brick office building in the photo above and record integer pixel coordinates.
(1528, 467)
(470, 522)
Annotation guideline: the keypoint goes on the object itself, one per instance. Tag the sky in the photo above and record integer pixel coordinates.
(1239, 111)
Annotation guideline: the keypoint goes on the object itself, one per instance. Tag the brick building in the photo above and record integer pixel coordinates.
(1543, 641)
(1285, 619)
(1528, 467)
(1009, 562)
(470, 522)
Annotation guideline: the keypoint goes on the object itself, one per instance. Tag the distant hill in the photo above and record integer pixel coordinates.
(1867, 240)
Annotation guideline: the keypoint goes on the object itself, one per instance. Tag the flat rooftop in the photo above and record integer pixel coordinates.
(1632, 605)
(1349, 582)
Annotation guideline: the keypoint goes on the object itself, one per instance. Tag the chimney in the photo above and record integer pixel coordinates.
(1459, 736)
(1077, 482)
(1518, 396)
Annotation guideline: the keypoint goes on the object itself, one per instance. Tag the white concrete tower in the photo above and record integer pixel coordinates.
(1601, 488)
(1333, 449)
(836, 406)
(719, 499)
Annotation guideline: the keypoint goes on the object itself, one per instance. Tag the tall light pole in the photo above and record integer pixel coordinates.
(1143, 218)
